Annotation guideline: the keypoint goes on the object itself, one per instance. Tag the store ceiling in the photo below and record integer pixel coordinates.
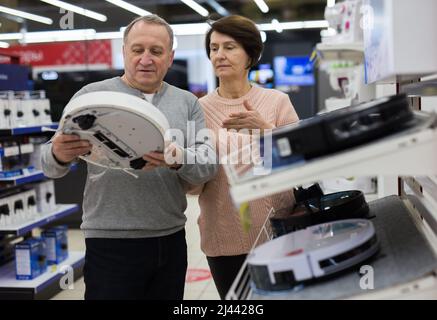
(174, 11)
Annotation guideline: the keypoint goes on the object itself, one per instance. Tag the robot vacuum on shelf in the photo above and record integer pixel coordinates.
(340, 129)
(315, 252)
(324, 208)
(121, 128)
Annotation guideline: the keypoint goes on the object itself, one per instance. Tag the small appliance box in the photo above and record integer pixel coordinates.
(45, 195)
(30, 259)
(56, 244)
(399, 39)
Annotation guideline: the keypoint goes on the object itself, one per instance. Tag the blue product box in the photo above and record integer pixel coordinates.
(30, 259)
(56, 244)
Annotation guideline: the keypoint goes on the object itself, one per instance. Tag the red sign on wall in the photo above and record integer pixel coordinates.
(63, 53)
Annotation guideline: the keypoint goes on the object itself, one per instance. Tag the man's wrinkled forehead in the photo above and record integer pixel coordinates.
(141, 26)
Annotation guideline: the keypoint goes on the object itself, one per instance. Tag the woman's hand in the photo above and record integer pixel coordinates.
(250, 119)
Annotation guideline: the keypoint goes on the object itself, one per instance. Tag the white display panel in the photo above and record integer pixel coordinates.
(391, 39)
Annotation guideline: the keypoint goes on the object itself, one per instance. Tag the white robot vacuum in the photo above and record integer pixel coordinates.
(121, 128)
(314, 252)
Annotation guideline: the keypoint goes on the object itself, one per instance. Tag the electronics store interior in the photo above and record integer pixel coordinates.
(334, 102)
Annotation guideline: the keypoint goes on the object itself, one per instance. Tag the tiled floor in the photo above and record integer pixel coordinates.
(195, 290)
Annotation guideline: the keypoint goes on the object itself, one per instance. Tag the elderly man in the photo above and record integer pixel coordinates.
(134, 228)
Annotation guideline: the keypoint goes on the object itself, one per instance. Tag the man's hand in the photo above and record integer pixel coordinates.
(67, 147)
(171, 158)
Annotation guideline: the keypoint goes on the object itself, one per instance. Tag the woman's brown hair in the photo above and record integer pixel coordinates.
(243, 30)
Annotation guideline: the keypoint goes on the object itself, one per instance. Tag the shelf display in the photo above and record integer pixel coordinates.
(405, 259)
(340, 129)
(318, 209)
(315, 252)
(27, 201)
(391, 155)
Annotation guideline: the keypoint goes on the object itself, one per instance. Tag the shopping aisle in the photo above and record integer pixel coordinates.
(199, 283)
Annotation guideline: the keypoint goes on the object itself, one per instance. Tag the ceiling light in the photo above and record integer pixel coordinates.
(190, 29)
(51, 36)
(129, 7)
(218, 7)
(11, 36)
(316, 24)
(108, 35)
(26, 15)
(276, 25)
(76, 9)
(263, 36)
(330, 3)
(178, 29)
(196, 7)
(262, 6)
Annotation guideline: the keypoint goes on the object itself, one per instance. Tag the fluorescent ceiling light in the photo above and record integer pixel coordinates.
(11, 36)
(182, 29)
(218, 7)
(108, 35)
(276, 25)
(26, 15)
(190, 29)
(196, 7)
(315, 24)
(4, 44)
(50, 36)
(59, 36)
(262, 6)
(129, 7)
(76, 9)
(295, 25)
(330, 3)
(263, 36)
(178, 29)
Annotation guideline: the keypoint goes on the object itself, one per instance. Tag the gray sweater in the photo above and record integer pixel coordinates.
(116, 205)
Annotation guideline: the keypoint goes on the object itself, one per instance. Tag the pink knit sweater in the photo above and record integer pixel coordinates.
(221, 232)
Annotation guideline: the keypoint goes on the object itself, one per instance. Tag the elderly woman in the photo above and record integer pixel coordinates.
(233, 44)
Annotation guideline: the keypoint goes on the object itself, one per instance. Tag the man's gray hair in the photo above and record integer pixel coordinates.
(150, 19)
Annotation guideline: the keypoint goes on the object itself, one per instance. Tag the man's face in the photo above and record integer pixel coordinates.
(147, 56)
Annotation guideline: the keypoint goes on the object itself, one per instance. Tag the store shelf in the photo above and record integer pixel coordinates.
(345, 51)
(399, 239)
(26, 130)
(62, 210)
(421, 89)
(393, 155)
(36, 175)
(44, 286)
(16, 150)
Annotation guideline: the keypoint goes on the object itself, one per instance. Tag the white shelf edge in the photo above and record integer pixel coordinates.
(343, 51)
(41, 219)
(23, 176)
(392, 156)
(355, 46)
(8, 280)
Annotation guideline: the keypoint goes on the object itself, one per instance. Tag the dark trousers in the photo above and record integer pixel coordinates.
(224, 269)
(146, 268)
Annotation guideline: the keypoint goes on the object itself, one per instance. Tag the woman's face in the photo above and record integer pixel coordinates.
(228, 57)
